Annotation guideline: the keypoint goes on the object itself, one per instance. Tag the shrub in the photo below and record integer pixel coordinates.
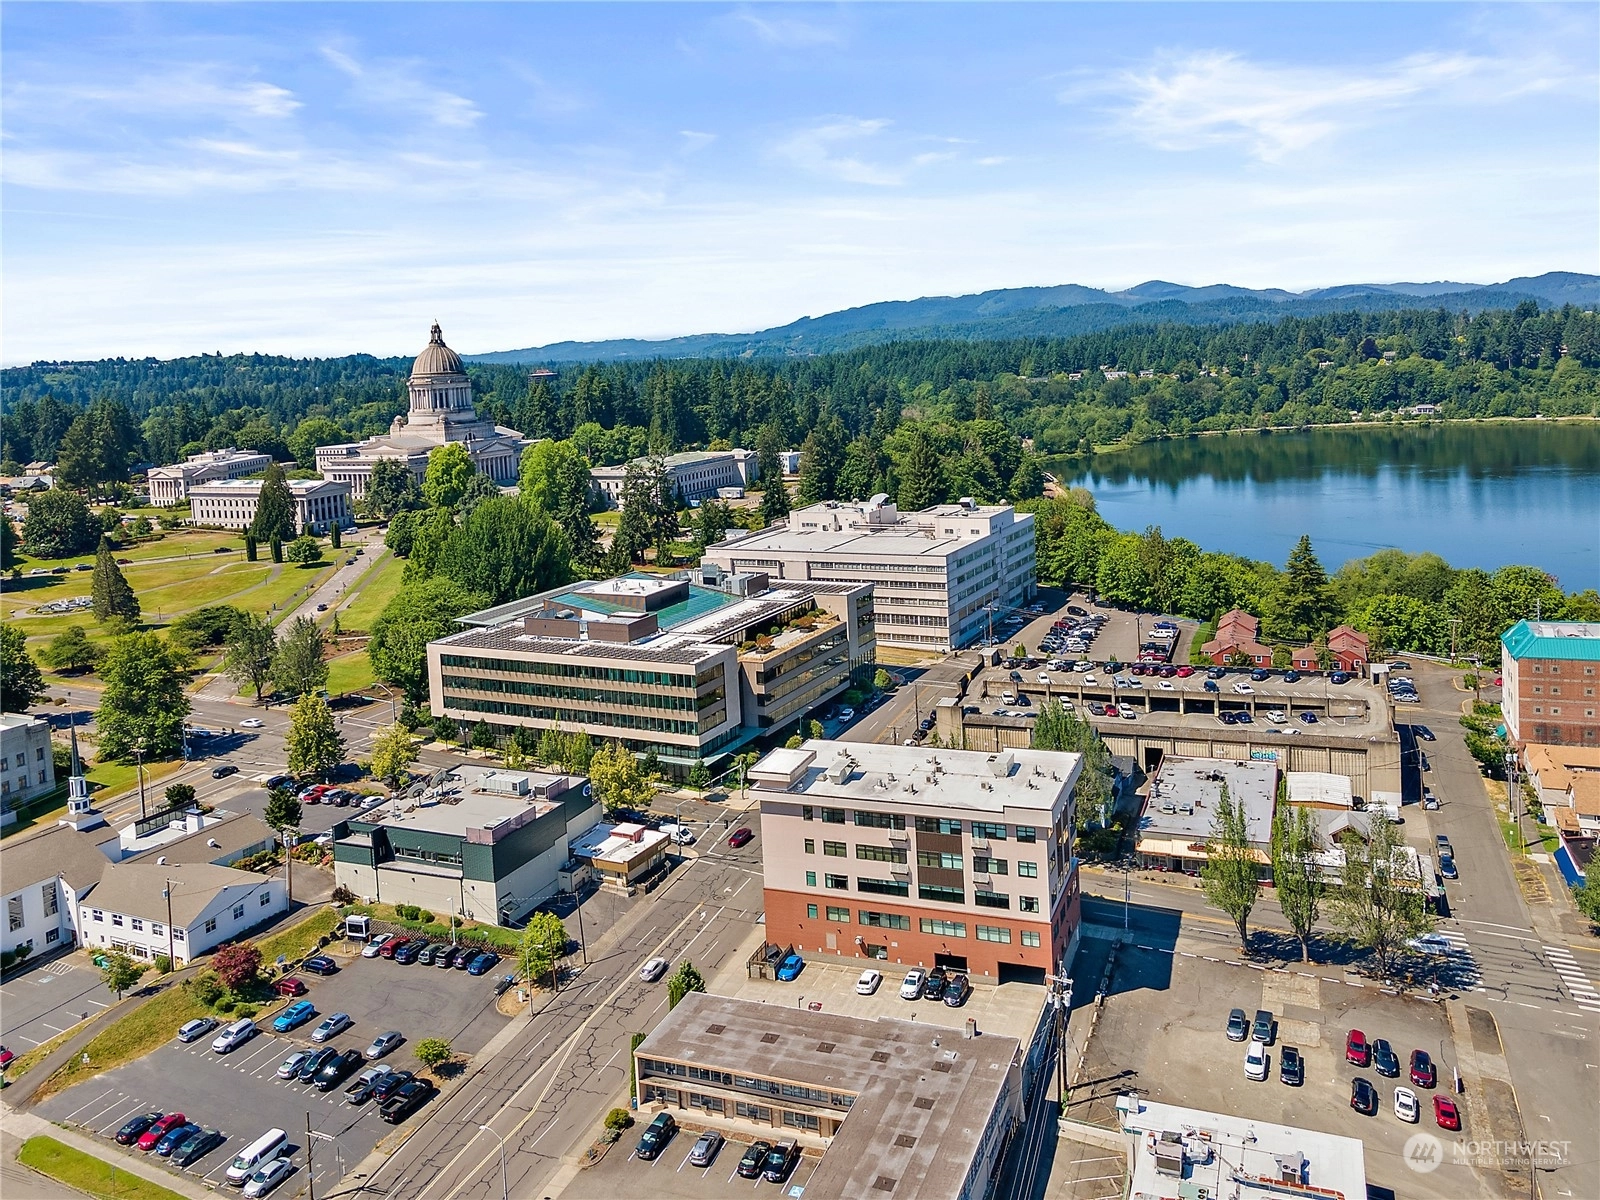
(247, 1010)
(226, 1004)
(343, 895)
(433, 1052)
(616, 1121)
(424, 916)
(207, 988)
(163, 964)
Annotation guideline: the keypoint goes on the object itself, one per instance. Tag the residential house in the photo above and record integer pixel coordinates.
(148, 909)
(1238, 633)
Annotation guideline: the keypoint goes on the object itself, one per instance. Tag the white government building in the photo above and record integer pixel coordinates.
(694, 474)
(170, 485)
(441, 412)
(319, 504)
(937, 572)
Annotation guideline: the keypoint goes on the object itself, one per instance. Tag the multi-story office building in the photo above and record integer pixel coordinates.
(170, 485)
(943, 576)
(319, 504)
(694, 475)
(1551, 676)
(921, 857)
(27, 762)
(686, 667)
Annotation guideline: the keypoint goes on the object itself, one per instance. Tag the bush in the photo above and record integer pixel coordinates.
(343, 895)
(424, 916)
(247, 1010)
(226, 1004)
(163, 964)
(207, 988)
(616, 1121)
(433, 1052)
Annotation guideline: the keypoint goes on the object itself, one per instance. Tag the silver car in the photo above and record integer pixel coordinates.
(384, 1043)
(268, 1177)
(332, 1025)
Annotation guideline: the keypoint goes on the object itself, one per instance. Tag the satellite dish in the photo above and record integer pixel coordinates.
(162, 861)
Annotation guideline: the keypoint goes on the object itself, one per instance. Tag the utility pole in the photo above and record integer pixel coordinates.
(290, 836)
(138, 754)
(1455, 623)
(1061, 1002)
(167, 894)
(311, 1176)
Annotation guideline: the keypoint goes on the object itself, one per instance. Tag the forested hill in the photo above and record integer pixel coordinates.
(1066, 393)
(1065, 311)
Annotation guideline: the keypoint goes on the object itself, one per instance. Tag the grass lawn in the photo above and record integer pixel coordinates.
(150, 1025)
(88, 1174)
(299, 940)
(372, 592)
(196, 541)
(350, 673)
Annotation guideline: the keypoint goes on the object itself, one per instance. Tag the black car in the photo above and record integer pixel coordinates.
(1384, 1060)
(1363, 1096)
(1216, 672)
(134, 1129)
(319, 1059)
(224, 771)
(1291, 1067)
(337, 1069)
(1238, 1025)
(656, 1136)
(1423, 732)
(1261, 1028)
(405, 1100)
(390, 1084)
(319, 964)
(196, 1146)
(465, 955)
(754, 1159)
(933, 987)
(1259, 674)
(407, 954)
(1291, 676)
(780, 1161)
(957, 990)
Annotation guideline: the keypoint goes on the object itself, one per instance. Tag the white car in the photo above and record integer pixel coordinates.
(653, 970)
(868, 983)
(332, 1025)
(1127, 713)
(269, 1176)
(1432, 943)
(234, 1036)
(1090, 680)
(375, 944)
(1405, 1105)
(1244, 689)
(1166, 685)
(1255, 1061)
(847, 714)
(915, 979)
(1275, 715)
(252, 723)
(1044, 679)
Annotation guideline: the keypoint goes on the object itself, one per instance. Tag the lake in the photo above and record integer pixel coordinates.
(1480, 495)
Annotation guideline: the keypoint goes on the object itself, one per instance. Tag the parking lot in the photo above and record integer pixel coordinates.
(623, 1173)
(48, 999)
(1163, 1032)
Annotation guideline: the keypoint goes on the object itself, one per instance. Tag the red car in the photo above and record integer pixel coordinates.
(6, 1058)
(391, 946)
(290, 986)
(1184, 672)
(149, 1138)
(740, 837)
(1423, 1073)
(1357, 1049)
(1111, 710)
(1446, 1113)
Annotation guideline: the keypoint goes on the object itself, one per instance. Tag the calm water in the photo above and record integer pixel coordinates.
(1479, 495)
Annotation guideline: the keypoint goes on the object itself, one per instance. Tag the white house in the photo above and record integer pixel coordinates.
(46, 875)
(147, 909)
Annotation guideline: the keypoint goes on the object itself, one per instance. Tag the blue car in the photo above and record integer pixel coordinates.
(295, 1015)
(482, 963)
(169, 1140)
(789, 969)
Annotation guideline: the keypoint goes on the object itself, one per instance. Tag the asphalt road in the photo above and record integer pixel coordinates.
(46, 1000)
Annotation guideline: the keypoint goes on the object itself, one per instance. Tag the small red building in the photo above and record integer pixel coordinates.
(1238, 633)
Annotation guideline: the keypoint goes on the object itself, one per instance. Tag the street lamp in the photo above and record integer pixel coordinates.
(290, 837)
(138, 754)
(505, 1192)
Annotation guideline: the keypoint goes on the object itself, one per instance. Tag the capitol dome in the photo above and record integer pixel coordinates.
(437, 358)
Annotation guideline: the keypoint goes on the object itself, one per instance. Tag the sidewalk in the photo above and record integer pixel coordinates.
(26, 1125)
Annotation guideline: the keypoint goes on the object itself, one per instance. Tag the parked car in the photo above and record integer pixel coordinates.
(193, 1031)
(196, 1146)
(656, 1136)
(289, 1068)
(134, 1129)
(483, 963)
(1445, 1113)
(1210, 685)
(294, 1016)
(320, 964)
(223, 771)
(332, 1025)
(390, 1084)
(1291, 676)
(740, 837)
(268, 1177)
(393, 946)
(234, 1036)
(1261, 1028)
(336, 1070)
(1405, 1105)
(1363, 1096)
(780, 1161)
(360, 1091)
(1339, 677)
(916, 979)
(868, 982)
(384, 1043)
(1357, 1049)
(1308, 718)
(1423, 732)
(376, 943)
(789, 969)
(1384, 1060)
(705, 1148)
(159, 1129)
(933, 986)
(1291, 1067)
(405, 1100)
(1423, 1074)
(957, 990)
(1255, 1061)
(1238, 1026)
(289, 985)
(407, 954)
(448, 957)
(314, 1063)
(175, 1138)
(653, 970)
(1447, 866)
(754, 1159)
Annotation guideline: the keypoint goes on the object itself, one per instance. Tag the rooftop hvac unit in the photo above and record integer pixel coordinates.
(1000, 764)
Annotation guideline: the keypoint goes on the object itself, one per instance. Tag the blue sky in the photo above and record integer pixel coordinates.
(321, 178)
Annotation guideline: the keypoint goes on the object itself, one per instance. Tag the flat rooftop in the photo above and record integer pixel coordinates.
(897, 541)
(1184, 795)
(619, 844)
(924, 1096)
(823, 769)
(476, 800)
(1232, 1156)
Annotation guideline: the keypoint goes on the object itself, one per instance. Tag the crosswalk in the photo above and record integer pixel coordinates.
(1573, 979)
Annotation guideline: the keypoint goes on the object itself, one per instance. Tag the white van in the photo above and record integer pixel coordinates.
(263, 1150)
(234, 1036)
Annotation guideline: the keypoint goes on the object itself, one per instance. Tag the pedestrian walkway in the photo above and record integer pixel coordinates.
(1573, 979)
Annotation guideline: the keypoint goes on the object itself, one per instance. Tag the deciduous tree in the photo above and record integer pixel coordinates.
(237, 964)
(419, 613)
(58, 525)
(1296, 873)
(617, 780)
(544, 944)
(71, 650)
(305, 550)
(143, 702)
(248, 652)
(683, 981)
(120, 972)
(393, 751)
(449, 469)
(21, 684)
(314, 744)
(1380, 902)
(391, 489)
(1229, 876)
(434, 1052)
(297, 664)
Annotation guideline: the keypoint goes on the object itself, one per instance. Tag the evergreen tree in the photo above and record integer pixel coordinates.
(8, 544)
(1229, 877)
(774, 495)
(392, 489)
(1306, 606)
(110, 591)
(314, 744)
(249, 547)
(283, 809)
(861, 474)
(711, 523)
(275, 547)
(143, 702)
(21, 684)
(821, 459)
(684, 980)
(274, 519)
(921, 474)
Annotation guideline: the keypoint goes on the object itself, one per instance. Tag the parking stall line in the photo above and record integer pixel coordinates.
(126, 1106)
(81, 1107)
(121, 1118)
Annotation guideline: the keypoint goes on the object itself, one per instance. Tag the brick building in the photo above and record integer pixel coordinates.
(1551, 682)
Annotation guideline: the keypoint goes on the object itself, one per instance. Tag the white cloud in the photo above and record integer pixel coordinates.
(815, 150)
(1215, 97)
(694, 140)
(788, 32)
(396, 84)
(192, 90)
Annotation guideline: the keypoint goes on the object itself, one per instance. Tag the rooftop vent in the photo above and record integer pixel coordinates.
(884, 1184)
(1000, 764)
(923, 1102)
(880, 1056)
(905, 1141)
(716, 1029)
(825, 1047)
(769, 1038)
(942, 1067)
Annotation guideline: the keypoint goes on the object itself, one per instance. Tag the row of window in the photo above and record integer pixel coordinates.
(580, 670)
(157, 929)
(633, 697)
(929, 925)
(540, 712)
(749, 1083)
(981, 897)
(868, 819)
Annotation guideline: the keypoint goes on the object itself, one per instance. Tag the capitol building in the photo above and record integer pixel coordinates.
(441, 412)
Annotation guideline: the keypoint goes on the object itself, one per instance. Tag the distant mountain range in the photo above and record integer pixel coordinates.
(1064, 311)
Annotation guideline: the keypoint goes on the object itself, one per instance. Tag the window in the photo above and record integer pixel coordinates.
(994, 933)
(982, 864)
(811, 846)
(811, 879)
(937, 825)
(14, 912)
(1030, 937)
(992, 830)
(1027, 833)
(873, 820)
(708, 1103)
(211, 925)
(138, 925)
(930, 858)
(838, 914)
(840, 883)
(238, 911)
(801, 1120)
(991, 899)
(1028, 870)
(942, 928)
(807, 813)
(892, 854)
(948, 895)
(266, 898)
(883, 920)
(883, 887)
(1028, 904)
(751, 1112)
(98, 915)
(51, 935)
(116, 918)
(157, 928)
(833, 816)
(834, 849)
(179, 935)
(39, 754)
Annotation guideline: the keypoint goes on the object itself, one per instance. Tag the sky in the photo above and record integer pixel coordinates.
(324, 179)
